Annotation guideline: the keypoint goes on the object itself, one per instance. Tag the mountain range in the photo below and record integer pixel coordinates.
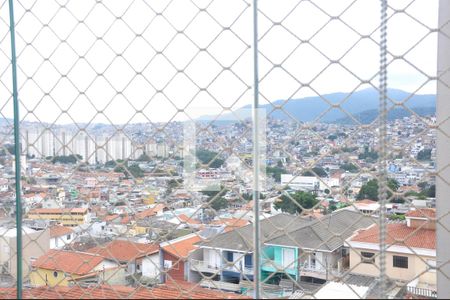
(362, 105)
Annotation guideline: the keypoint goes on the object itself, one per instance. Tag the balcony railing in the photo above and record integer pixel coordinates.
(204, 266)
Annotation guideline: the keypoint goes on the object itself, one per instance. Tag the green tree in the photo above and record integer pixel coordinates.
(304, 199)
(67, 159)
(431, 191)
(318, 170)
(144, 157)
(352, 168)
(215, 199)
(424, 154)
(370, 189)
(275, 172)
(209, 157)
(219, 203)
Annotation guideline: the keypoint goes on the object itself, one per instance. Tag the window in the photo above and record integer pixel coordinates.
(368, 257)
(400, 262)
(55, 274)
(68, 237)
(138, 267)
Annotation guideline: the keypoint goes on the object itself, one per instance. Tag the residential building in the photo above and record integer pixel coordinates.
(137, 258)
(59, 268)
(60, 236)
(410, 253)
(228, 258)
(313, 250)
(175, 254)
(65, 216)
(35, 244)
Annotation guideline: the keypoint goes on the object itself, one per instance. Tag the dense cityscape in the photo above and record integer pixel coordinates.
(143, 209)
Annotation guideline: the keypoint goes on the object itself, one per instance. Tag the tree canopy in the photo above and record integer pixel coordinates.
(370, 189)
(209, 157)
(67, 159)
(318, 170)
(299, 199)
(424, 154)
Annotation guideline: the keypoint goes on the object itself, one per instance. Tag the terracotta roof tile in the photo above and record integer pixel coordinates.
(400, 232)
(176, 290)
(71, 262)
(181, 248)
(124, 251)
(56, 231)
(185, 219)
(150, 212)
(422, 213)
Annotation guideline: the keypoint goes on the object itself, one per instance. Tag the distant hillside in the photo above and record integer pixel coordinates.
(368, 116)
(361, 102)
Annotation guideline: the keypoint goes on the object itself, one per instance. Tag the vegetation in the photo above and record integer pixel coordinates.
(370, 189)
(424, 154)
(209, 157)
(114, 163)
(368, 154)
(352, 168)
(275, 172)
(67, 159)
(319, 171)
(129, 170)
(299, 199)
(144, 157)
(219, 202)
(397, 217)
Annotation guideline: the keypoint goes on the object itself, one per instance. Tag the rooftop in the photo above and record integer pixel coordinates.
(399, 234)
(56, 231)
(124, 251)
(71, 262)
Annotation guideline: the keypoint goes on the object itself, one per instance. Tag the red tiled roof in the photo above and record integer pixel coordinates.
(422, 213)
(366, 201)
(71, 262)
(176, 290)
(399, 234)
(150, 212)
(182, 247)
(231, 222)
(110, 218)
(124, 251)
(57, 230)
(185, 219)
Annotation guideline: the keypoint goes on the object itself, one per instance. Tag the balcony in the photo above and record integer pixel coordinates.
(318, 271)
(204, 267)
(275, 266)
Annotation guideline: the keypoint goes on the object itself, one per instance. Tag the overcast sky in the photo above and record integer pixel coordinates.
(125, 57)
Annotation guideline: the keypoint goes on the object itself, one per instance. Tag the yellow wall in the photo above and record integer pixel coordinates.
(66, 220)
(38, 278)
(416, 266)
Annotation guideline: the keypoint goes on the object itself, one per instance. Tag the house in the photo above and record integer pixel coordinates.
(227, 258)
(60, 236)
(313, 249)
(410, 253)
(35, 244)
(60, 268)
(66, 216)
(175, 255)
(137, 258)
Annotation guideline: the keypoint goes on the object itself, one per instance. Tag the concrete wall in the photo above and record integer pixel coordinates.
(34, 245)
(416, 266)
